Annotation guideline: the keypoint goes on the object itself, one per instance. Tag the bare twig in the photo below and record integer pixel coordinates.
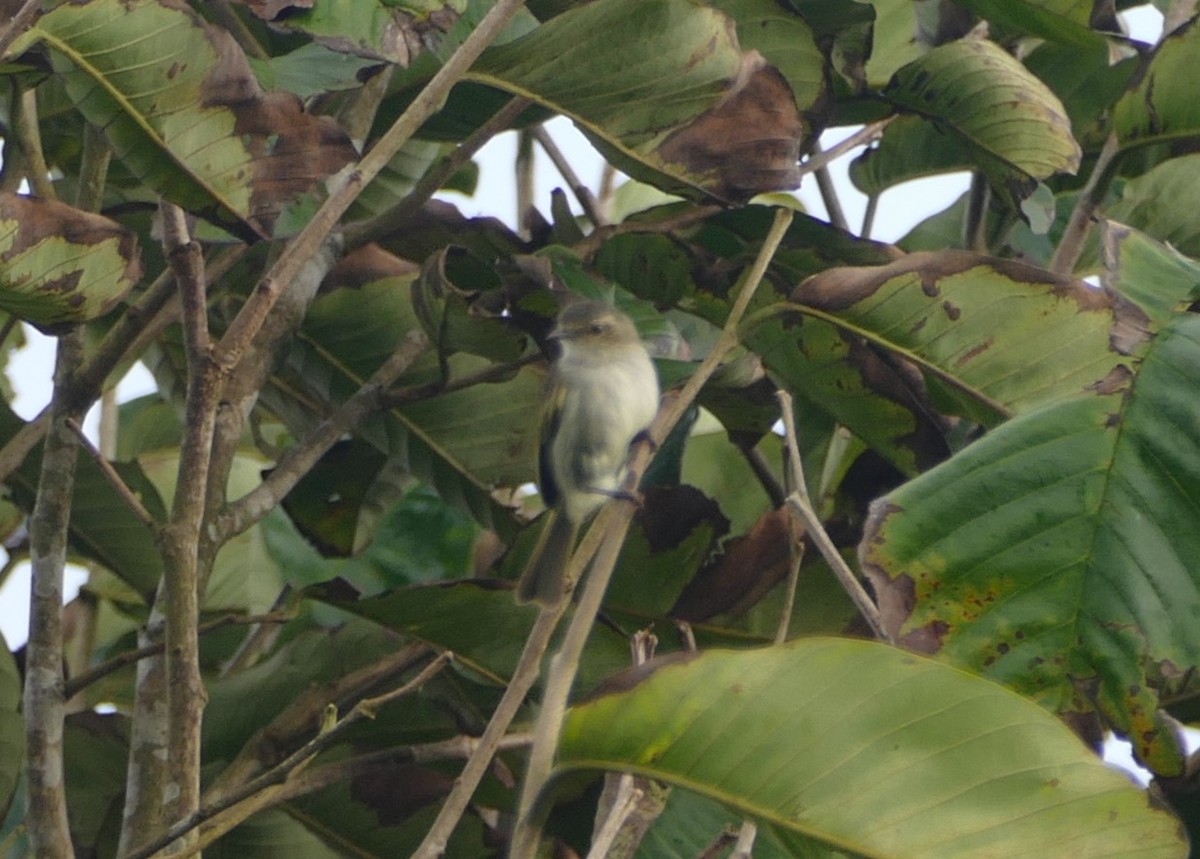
(258, 792)
(866, 134)
(86, 678)
(434, 843)
(30, 137)
(494, 373)
(796, 552)
(583, 194)
(119, 486)
(524, 173)
(299, 459)
(401, 215)
(1083, 215)
(18, 24)
(800, 504)
(829, 196)
(293, 725)
(245, 326)
(624, 804)
(744, 847)
(613, 527)
(975, 222)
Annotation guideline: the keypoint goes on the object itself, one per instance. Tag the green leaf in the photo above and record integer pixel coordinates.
(813, 737)
(12, 727)
(911, 148)
(1159, 203)
(1008, 119)
(1162, 106)
(310, 70)
(59, 264)
(688, 111)
(1155, 276)
(95, 750)
(1058, 553)
(1062, 21)
(183, 111)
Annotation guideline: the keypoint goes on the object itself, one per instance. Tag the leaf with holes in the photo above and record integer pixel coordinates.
(1057, 554)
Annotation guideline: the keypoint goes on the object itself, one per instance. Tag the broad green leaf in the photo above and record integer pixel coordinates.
(12, 726)
(814, 738)
(1162, 106)
(183, 111)
(895, 40)
(1007, 117)
(270, 834)
(911, 148)
(663, 89)
(1063, 21)
(1057, 554)
(1160, 203)
(1087, 82)
(1155, 276)
(989, 328)
(59, 264)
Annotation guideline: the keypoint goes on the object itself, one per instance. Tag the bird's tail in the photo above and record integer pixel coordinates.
(543, 579)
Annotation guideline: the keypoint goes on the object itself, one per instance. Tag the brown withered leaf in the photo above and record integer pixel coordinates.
(749, 142)
(366, 265)
(60, 264)
(291, 149)
(751, 565)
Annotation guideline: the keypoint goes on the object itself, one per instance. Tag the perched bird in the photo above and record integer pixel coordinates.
(603, 391)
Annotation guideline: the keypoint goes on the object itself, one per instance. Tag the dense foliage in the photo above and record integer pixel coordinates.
(299, 610)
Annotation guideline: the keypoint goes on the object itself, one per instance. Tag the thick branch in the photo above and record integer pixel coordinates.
(46, 812)
(1070, 247)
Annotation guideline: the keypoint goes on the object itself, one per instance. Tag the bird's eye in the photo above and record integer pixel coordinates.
(597, 328)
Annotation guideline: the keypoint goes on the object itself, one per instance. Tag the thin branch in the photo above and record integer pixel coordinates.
(796, 558)
(623, 806)
(526, 673)
(299, 459)
(975, 222)
(262, 637)
(494, 373)
(614, 526)
(400, 216)
(822, 159)
(762, 471)
(829, 196)
(246, 324)
(18, 24)
(688, 218)
(246, 800)
(30, 137)
(293, 725)
(1070, 247)
(524, 175)
(119, 486)
(800, 504)
(868, 221)
(583, 194)
(744, 847)
(86, 678)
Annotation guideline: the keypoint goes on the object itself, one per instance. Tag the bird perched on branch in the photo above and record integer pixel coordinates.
(603, 391)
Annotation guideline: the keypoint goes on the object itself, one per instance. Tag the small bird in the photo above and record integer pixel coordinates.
(603, 391)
